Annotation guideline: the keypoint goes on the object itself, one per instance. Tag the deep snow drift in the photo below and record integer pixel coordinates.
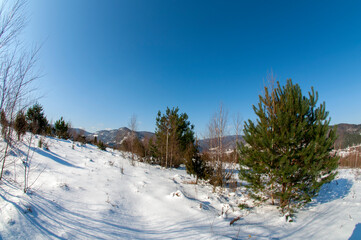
(85, 193)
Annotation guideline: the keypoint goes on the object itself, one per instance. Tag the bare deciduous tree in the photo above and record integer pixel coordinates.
(220, 120)
(216, 132)
(133, 125)
(237, 123)
(228, 176)
(16, 68)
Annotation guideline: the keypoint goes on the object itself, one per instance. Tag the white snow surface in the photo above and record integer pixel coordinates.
(81, 193)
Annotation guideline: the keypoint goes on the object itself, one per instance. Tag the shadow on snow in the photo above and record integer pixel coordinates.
(356, 232)
(54, 157)
(336, 189)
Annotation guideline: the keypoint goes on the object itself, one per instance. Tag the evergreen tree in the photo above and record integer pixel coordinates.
(196, 166)
(20, 125)
(173, 135)
(138, 147)
(61, 129)
(153, 152)
(287, 157)
(37, 122)
(4, 124)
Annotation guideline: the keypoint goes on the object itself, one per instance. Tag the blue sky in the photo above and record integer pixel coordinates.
(106, 60)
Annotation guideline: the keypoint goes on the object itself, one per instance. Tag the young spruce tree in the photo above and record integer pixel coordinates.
(20, 124)
(196, 165)
(287, 157)
(61, 129)
(36, 119)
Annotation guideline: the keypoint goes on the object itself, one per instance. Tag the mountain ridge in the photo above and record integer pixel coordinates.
(348, 135)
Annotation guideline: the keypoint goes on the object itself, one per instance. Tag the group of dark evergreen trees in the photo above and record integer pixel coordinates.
(34, 121)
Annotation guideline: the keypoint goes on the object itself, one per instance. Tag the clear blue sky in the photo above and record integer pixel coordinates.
(106, 60)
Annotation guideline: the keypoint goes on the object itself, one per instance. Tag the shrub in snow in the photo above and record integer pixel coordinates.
(65, 186)
(287, 157)
(101, 146)
(46, 146)
(244, 206)
(177, 194)
(225, 209)
(40, 143)
(43, 144)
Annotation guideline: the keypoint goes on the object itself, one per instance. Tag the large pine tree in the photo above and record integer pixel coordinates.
(286, 158)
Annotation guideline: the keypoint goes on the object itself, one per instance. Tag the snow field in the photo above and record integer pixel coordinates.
(82, 194)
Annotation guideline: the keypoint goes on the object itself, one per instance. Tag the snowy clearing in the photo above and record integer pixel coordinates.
(81, 193)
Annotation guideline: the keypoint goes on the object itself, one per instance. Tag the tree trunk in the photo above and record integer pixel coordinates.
(282, 198)
(166, 151)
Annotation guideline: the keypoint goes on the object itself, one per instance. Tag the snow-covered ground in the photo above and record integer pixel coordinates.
(85, 193)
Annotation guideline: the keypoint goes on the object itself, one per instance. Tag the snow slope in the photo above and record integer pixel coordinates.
(85, 193)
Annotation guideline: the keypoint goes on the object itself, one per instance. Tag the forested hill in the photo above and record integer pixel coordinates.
(348, 135)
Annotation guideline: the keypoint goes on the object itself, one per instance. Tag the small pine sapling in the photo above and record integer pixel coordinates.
(61, 128)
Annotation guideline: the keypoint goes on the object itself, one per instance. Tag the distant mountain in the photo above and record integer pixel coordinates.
(229, 143)
(348, 135)
(78, 131)
(115, 137)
